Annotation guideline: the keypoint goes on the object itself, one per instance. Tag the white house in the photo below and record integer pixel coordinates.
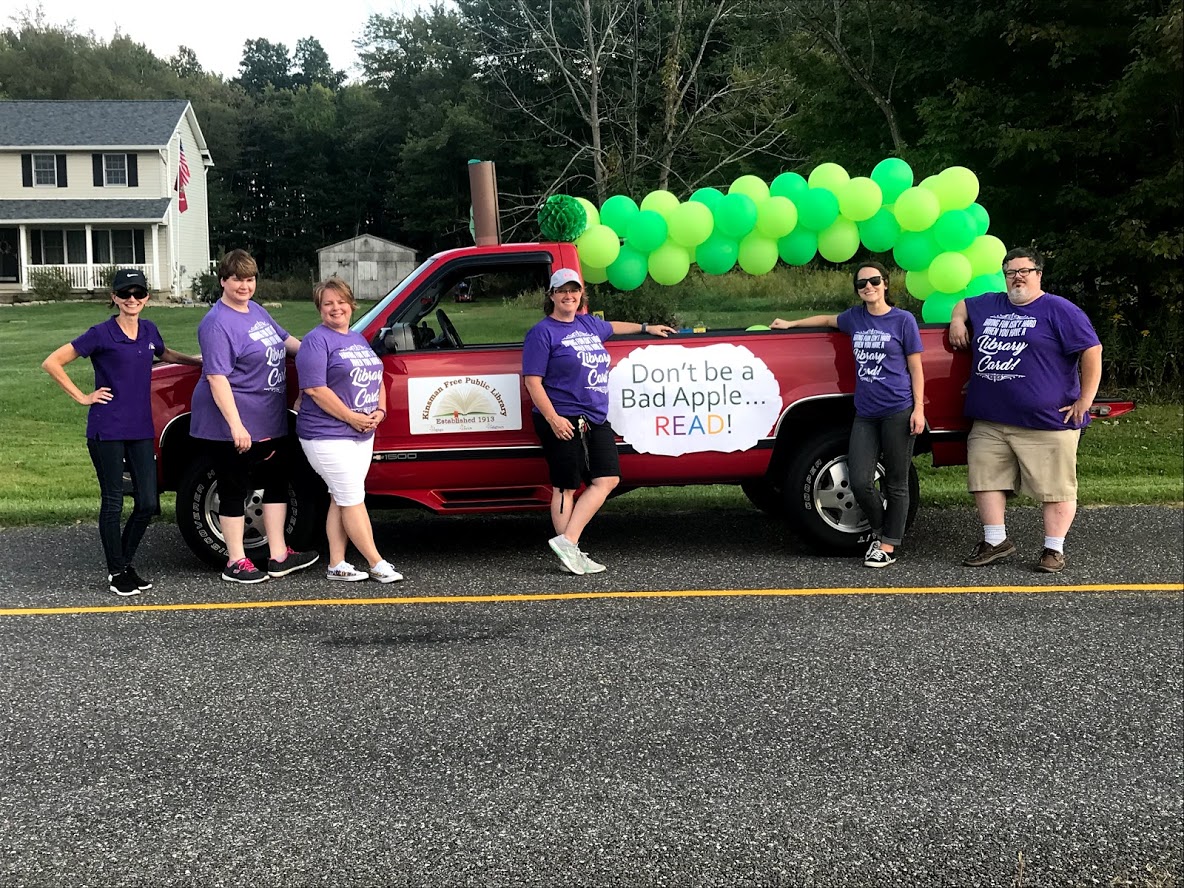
(85, 186)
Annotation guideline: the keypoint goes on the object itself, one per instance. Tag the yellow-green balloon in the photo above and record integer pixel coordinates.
(758, 254)
(691, 224)
(753, 186)
(860, 199)
(949, 272)
(776, 217)
(798, 247)
(985, 254)
(839, 241)
(917, 209)
(598, 246)
(830, 176)
(661, 202)
(957, 188)
(669, 263)
(918, 283)
(590, 211)
(593, 275)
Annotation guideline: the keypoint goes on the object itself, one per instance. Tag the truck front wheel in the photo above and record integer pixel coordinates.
(818, 497)
(197, 515)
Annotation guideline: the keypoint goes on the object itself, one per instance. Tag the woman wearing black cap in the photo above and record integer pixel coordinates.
(119, 424)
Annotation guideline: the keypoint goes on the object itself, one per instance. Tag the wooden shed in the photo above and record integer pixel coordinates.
(370, 264)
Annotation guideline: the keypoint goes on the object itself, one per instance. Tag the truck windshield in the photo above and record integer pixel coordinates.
(361, 323)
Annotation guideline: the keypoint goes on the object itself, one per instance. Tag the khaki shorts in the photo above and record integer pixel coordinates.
(1042, 463)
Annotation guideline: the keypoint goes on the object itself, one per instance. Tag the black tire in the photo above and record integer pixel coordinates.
(765, 496)
(197, 514)
(818, 498)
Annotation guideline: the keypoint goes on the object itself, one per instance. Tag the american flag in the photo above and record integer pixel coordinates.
(182, 178)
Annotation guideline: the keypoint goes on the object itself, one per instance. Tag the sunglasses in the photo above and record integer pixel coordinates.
(875, 280)
(138, 295)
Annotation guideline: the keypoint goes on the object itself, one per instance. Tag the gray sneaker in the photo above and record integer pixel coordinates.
(590, 566)
(569, 554)
(985, 553)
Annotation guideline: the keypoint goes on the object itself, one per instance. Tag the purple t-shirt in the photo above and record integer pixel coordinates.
(881, 344)
(248, 349)
(573, 362)
(1023, 365)
(345, 363)
(124, 366)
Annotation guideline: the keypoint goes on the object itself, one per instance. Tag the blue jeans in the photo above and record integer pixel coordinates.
(890, 436)
(120, 547)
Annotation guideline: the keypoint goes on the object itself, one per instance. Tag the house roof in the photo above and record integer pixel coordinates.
(94, 124)
(83, 211)
(350, 240)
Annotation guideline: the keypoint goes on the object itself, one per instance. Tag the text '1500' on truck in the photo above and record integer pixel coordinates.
(768, 410)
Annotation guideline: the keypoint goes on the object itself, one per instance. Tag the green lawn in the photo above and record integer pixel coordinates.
(46, 476)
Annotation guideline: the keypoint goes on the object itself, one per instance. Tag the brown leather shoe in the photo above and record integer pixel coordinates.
(986, 554)
(1051, 561)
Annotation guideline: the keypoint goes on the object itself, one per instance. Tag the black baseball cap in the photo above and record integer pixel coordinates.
(126, 278)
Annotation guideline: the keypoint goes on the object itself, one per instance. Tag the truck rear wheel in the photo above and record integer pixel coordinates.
(197, 515)
(818, 497)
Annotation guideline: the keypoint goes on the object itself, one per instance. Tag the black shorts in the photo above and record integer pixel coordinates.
(266, 465)
(578, 461)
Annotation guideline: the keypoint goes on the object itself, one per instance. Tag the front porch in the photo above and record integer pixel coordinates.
(81, 259)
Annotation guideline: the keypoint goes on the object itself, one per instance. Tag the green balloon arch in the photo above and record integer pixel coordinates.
(934, 230)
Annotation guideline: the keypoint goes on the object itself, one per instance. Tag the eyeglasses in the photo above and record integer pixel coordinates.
(138, 295)
(875, 280)
(1018, 272)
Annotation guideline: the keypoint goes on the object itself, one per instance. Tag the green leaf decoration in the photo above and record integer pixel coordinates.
(562, 218)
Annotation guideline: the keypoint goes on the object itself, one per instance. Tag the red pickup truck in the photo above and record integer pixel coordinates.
(768, 410)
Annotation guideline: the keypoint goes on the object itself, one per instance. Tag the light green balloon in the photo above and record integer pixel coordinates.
(629, 271)
(817, 209)
(893, 176)
(590, 211)
(949, 272)
(957, 188)
(918, 283)
(593, 275)
(987, 283)
(776, 217)
(917, 209)
(669, 263)
(830, 176)
(798, 247)
(753, 186)
(938, 308)
(717, 254)
(617, 212)
(860, 199)
(691, 224)
(790, 185)
(839, 241)
(879, 233)
(598, 246)
(914, 250)
(647, 231)
(982, 219)
(758, 254)
(985, 254)
(757, 327)
(735, 216)
(661, 202)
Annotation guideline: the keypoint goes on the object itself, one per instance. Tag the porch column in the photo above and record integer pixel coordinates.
(23, 263)
(90, 260)
(152, 281)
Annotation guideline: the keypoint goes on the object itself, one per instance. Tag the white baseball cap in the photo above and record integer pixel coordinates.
(565, 276)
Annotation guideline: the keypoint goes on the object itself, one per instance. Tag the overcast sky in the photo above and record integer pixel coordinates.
(163, 25)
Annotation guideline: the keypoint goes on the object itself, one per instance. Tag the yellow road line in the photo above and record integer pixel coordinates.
(569, 596)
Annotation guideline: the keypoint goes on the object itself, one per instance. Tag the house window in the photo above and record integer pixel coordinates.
(52, 246)
(45, 170)
(117, 246)
(115, 169)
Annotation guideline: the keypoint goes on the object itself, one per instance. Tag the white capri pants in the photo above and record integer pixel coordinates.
(343, 463)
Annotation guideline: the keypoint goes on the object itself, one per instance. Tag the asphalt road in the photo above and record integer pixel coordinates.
(879, 734)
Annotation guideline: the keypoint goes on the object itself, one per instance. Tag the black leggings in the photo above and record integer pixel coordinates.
(108, 456)
(239, 475)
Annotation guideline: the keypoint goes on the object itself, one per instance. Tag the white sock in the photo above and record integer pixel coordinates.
(994, 534)
(1057, 544)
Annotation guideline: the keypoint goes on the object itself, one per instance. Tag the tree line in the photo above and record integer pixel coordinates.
(1069, 111)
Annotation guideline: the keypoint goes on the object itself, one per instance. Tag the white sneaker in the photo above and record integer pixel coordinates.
(569, 554)
(383, 572)
(345, 573)
(590, 566)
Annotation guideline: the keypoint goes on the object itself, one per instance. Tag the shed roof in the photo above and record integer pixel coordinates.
(350, 240)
